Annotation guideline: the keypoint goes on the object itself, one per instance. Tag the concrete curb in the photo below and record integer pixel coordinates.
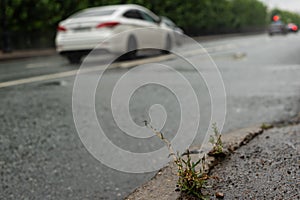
(165, 180)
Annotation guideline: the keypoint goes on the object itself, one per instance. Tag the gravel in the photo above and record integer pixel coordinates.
(266, 168)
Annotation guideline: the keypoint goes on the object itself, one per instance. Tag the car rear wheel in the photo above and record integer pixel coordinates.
(74, 59)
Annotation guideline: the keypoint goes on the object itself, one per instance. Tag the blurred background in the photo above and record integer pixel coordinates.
(32, 24)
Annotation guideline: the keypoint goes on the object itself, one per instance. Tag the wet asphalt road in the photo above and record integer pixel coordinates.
(42, 156)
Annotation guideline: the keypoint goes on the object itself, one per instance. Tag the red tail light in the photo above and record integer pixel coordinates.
(108, 24)
(61, 29)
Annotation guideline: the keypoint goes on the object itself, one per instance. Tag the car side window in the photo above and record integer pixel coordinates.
(133, 14)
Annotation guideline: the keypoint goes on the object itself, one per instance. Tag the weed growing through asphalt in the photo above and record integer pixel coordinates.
(191, 175)
(217, 143)
(191, 180)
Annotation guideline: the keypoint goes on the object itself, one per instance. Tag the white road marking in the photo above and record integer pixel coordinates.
(126, 64)
(37, 65)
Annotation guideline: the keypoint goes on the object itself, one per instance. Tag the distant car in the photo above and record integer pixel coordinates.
(292, 27)
(82, 32)
(178, 32)
(277, 27)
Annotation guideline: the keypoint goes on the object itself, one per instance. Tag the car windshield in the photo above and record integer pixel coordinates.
(168, 22)
(277, 23)
(93, 13)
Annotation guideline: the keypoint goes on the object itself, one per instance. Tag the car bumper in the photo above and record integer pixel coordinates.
(80, 42)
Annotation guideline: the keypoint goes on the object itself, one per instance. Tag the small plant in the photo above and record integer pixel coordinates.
(191, 180)
(191, 175)
(217, 143)
(265, 126)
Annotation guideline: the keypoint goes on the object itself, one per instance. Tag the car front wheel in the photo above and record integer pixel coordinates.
(168, 45)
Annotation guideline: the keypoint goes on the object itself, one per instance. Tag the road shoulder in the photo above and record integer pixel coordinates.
(163, 184)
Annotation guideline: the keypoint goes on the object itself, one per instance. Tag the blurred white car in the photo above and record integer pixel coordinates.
(82, 32)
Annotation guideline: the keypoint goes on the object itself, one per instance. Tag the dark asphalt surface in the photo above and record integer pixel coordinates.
(266, 168)
(42, 156)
